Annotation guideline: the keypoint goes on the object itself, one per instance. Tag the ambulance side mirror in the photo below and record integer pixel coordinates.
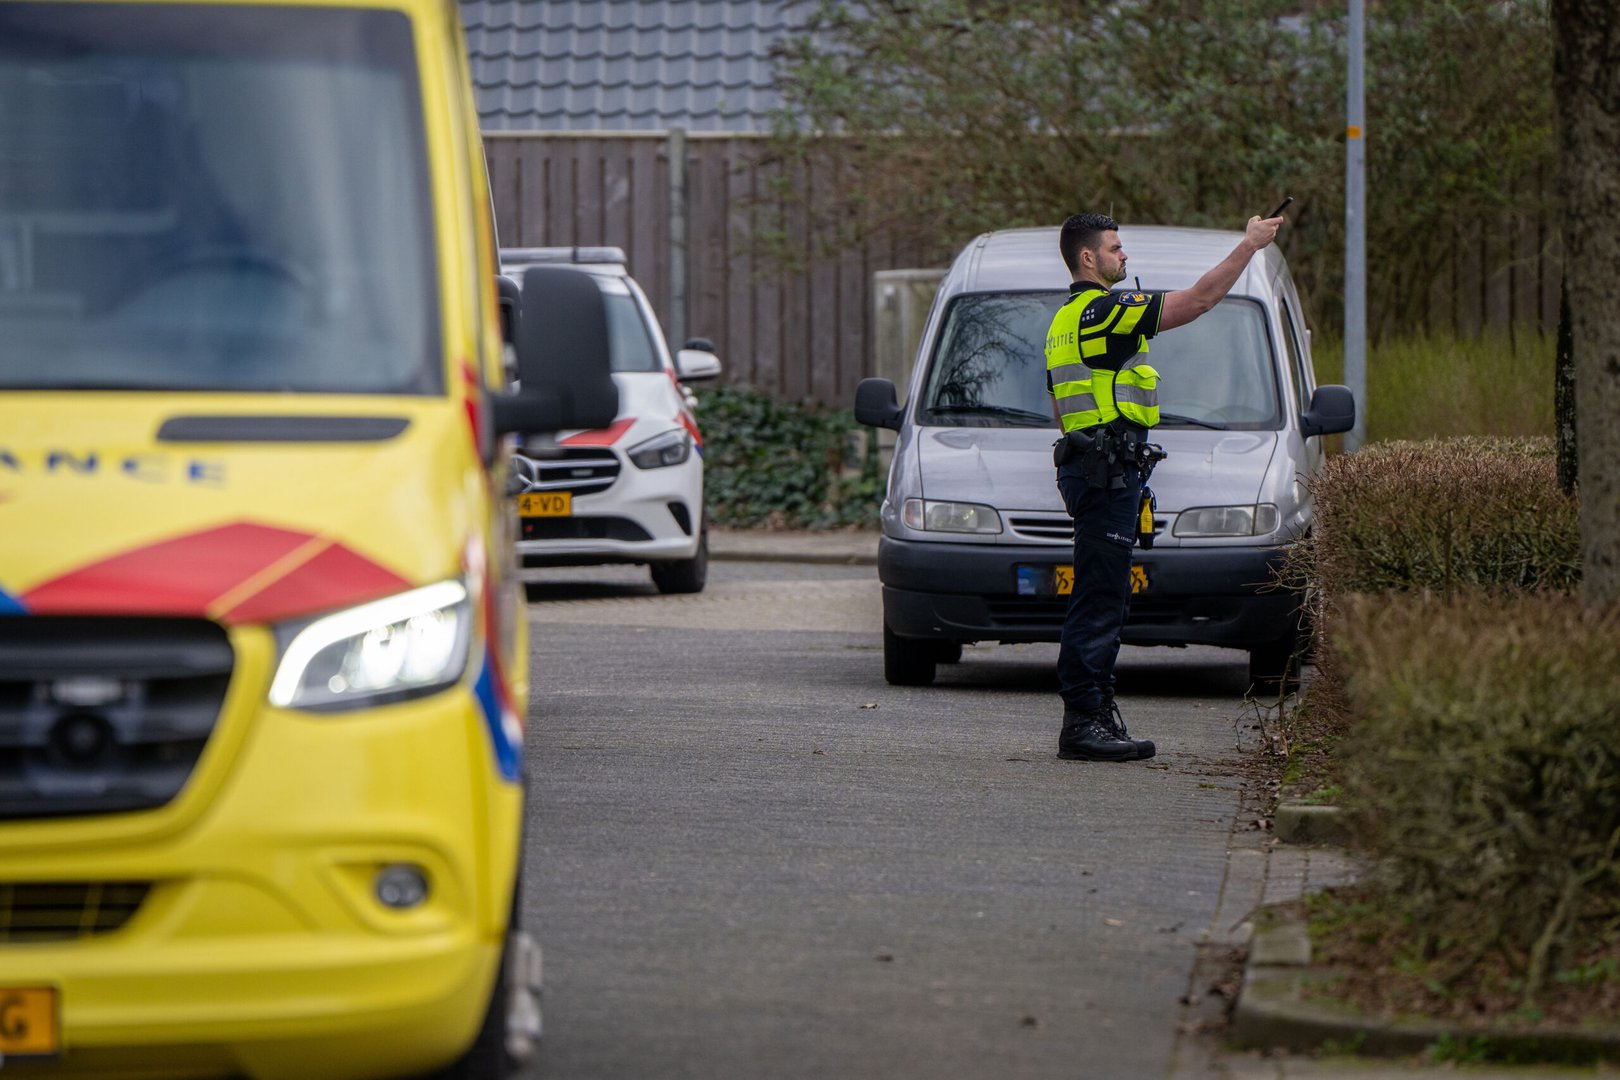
(561, 340)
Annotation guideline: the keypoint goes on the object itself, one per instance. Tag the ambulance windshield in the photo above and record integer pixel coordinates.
(989, 368)
(198, 197)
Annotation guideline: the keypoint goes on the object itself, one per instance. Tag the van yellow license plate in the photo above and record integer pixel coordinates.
(546, 503)
(29, 1024)
(1063, 579)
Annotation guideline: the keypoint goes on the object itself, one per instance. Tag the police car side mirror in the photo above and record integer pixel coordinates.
(1333, 409)
(876, 405)
(562, 357)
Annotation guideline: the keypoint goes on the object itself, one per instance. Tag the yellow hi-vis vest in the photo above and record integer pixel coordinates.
(1088, 396)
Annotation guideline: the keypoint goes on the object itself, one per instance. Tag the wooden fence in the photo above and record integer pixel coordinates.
(812, 332)
(804, 333)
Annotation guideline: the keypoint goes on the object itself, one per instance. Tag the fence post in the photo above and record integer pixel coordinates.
(677, 236)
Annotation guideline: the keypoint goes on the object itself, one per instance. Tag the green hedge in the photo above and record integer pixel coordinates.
(1444, 514)
(1482, 770)
(785, 465)
(1474, 710)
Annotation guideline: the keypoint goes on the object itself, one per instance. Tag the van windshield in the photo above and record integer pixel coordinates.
(200, 197)
(989, 369)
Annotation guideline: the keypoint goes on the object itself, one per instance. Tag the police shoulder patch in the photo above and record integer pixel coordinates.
(1132, 299)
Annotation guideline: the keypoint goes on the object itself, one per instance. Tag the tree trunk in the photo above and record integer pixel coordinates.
(1587, 61)
(1569, 460)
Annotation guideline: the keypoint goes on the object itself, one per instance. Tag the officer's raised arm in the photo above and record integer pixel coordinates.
(1185, 305)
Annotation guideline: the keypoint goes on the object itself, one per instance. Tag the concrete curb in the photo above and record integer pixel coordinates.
(1309, 823)
(1272, 1012)
(761, 545)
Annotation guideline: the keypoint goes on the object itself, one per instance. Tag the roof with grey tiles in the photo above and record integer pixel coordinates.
(627, 65)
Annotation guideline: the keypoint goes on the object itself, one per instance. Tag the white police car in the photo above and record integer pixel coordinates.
(631, 492)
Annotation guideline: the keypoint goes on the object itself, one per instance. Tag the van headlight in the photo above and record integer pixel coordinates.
(402, 646)
(670, 448)
(959, 517)
(1226, 521)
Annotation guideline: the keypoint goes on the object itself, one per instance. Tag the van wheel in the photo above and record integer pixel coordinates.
(685, 575)
(947, 652)
(907, 661)
(509, 1037)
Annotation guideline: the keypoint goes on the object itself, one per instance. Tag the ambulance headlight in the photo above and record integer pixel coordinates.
(399, 647)
(931, 515)
(1226, 521)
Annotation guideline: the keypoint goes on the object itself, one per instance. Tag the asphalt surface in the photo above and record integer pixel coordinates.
(750, 857)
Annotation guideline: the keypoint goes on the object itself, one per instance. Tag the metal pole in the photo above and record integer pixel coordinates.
(1355, 232)
(677, 237)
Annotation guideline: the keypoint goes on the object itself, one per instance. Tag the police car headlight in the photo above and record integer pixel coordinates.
(1206, 521)
(958, 517)
(399, 647)
(670, 448)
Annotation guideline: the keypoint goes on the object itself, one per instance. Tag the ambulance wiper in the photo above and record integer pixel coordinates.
(1021, 417)
(1177, 418)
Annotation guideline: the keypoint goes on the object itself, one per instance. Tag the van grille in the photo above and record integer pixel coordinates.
(104, 715)
(57, 911)
(1042, 528)
(581, 470)
(1026, 613)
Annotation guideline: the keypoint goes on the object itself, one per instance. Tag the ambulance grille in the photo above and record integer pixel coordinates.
(581, 470)
(104, 715)
(58, 911)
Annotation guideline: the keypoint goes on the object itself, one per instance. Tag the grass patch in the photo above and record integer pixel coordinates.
(1497, 384)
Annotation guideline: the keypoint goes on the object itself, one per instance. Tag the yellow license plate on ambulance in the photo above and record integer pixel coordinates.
(546, 503)
(1063, 579)
(29, 1022)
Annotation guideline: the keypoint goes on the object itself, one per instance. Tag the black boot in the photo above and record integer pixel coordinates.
(1090, 736)
(1116, 721)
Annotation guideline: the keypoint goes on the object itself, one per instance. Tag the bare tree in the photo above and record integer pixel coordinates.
(1587, 62)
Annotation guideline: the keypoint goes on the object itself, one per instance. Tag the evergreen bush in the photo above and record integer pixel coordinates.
(785, 464)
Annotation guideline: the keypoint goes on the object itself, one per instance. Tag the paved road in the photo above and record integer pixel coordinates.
(751, 858)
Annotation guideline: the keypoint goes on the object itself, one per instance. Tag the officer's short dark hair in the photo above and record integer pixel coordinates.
(1082, 231)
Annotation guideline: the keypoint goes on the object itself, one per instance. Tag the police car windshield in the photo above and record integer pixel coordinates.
(989, 368)
(198, 197)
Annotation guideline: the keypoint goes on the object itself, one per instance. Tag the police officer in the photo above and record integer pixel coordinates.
(1106, 397)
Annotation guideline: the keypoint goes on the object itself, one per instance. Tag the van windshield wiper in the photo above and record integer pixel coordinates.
(1177, 418)
(1000, 412)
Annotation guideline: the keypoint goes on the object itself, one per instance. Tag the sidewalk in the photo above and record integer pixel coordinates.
(1261, 872)
(842, 546)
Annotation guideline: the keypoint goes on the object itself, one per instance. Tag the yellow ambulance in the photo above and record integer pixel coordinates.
(263, 664)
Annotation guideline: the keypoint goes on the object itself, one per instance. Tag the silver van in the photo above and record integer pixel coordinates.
(976, 544)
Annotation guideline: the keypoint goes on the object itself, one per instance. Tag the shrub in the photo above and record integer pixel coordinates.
(1482, 769)
(1443, 514)
(785, 465)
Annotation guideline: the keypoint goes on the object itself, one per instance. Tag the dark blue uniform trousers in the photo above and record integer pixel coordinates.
(1104, 534)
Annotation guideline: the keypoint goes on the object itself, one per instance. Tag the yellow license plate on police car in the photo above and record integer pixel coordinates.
(29, 1022)
(1063, 579)
(546, 503)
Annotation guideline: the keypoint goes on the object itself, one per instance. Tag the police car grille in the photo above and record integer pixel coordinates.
(579, 470)
(1042, 528)
(104, 715)
(56, 911)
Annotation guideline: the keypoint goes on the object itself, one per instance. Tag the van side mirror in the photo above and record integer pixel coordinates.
(564, 373)
(1333, 409)
(876, 404)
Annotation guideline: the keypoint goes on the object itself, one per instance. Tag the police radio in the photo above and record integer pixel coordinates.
(1281, 207)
